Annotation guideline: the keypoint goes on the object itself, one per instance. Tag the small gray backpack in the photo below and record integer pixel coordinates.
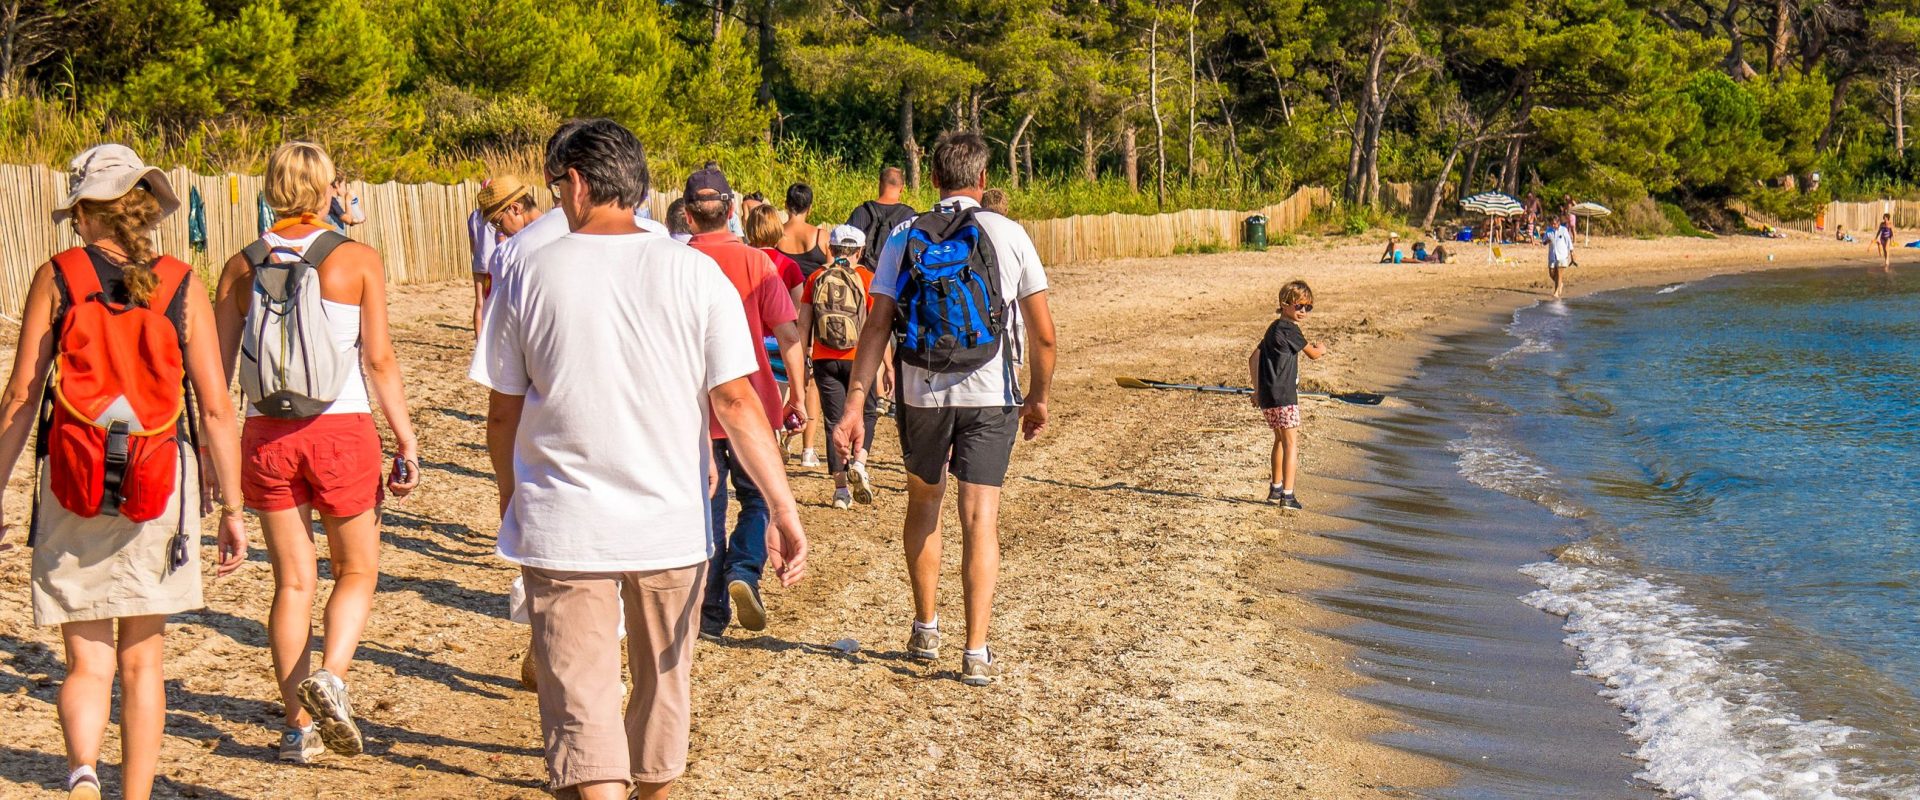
(289, 366)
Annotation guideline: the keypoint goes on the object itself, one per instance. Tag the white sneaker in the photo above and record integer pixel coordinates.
(808, 458)
(842, 499)
(862, 484)
(325, 697)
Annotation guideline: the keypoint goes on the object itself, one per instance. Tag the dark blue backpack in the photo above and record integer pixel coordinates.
(951, 316)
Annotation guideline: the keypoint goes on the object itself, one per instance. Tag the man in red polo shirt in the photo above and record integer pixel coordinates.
(734, 571)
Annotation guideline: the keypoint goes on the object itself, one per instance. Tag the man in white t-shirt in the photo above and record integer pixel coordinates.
(958, 422)
(605, 351)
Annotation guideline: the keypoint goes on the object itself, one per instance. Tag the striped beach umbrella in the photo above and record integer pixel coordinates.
(1493, 204)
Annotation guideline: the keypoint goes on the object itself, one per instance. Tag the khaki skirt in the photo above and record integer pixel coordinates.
(106, 567)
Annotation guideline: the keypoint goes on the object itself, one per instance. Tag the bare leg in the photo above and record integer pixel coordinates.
(353, 548)
(980, 556)
(290, 624)
(1290, 441)
(86, 696)
(143, 703)
(653, 791)
(604, 790)
(1279, 456)
(921, 533)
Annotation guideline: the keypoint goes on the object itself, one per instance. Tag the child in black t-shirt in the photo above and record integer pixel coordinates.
(1275, 365)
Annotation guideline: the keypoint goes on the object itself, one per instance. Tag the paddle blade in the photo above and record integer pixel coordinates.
(1360, 398)
(1132, 383)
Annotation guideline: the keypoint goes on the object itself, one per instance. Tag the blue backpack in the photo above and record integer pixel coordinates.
(951, 316)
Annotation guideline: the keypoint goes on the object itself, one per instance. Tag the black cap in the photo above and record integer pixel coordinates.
(708, 184)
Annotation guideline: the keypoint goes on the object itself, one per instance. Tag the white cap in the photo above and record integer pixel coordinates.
(847, 236)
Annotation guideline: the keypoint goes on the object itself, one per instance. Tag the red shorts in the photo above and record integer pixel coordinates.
(332, 462)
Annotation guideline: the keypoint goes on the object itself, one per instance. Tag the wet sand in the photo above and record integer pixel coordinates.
(1159, 624)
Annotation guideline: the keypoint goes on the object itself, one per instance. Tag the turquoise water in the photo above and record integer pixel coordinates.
(1732, 467)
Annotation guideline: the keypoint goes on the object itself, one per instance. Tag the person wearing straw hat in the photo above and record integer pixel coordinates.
(107, 580)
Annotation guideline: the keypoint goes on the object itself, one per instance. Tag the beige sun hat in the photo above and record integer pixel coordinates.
(109, 171)
(499, 193)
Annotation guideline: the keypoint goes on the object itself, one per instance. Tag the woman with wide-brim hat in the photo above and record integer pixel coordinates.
(107, 580)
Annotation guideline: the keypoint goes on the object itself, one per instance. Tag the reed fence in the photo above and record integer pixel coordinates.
(1862, 219)
(420, 229)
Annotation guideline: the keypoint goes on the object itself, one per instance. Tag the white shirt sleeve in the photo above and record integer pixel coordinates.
(1033, 276)
(499, 353)
(729, 347)
(886, 274)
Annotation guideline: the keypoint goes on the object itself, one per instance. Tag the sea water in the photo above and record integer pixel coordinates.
(1728, 475)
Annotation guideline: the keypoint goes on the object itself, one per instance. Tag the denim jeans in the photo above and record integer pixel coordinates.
(741, 556)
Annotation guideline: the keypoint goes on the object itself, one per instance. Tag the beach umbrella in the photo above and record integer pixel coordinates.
(1591, 209)
(1493, 204)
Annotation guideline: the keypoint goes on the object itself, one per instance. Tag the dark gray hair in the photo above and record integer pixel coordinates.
(709, 213)
(958, 159)
(606, 155)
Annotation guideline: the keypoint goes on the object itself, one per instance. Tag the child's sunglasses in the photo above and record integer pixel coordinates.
(1303, 307)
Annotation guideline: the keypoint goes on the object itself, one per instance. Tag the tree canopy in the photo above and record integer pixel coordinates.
(1695, 102)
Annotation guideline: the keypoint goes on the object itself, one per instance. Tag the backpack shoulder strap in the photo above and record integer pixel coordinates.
(257, 253)
(76, 270)
(323, 246)
(173, 274)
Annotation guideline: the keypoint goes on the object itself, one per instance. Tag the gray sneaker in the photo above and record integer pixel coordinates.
(299, 746)
(747, 608)
(978, 671)
(324, 696)
(924, 644)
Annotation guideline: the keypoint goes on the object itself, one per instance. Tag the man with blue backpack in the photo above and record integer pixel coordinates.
(965, 294)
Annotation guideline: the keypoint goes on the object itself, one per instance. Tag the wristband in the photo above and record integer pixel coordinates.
(230, 508)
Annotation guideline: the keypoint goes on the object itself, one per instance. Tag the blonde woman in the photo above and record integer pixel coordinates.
(107, 580)
(329, 463)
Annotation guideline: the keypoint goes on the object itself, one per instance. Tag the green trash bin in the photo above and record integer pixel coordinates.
(1253, 233)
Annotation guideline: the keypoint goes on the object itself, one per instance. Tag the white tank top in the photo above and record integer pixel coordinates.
(343, 321)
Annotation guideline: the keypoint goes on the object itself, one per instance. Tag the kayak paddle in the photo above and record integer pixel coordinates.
(1356, 398)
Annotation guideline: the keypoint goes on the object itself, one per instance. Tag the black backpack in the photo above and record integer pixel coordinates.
(877, 221)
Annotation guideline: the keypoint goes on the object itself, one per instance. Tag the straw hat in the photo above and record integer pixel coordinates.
(500, 193)
(108, 172)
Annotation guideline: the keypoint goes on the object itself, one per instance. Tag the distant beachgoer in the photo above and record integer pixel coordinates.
(1884, 238)
(107, 580)
(677, 221)
(833, 308)
(1441, 256)
(1392, 254)
(482, 238)
(996, 201)
(605, 352)
(343, 210)
(1531, 221)
(319, 450)
(877, 218)
(802, 241)
(1275, 365)
(962, 406)
(1840, 234)
(1559, 254)
(1420, 252)
(734, 569)
(764, 231)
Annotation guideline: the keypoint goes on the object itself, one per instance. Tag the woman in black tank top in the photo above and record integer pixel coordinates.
(801, 231)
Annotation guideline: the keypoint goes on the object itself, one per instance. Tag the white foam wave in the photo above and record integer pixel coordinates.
(1537, 332)
(1490, 461)
(1708, 728)
(1671, 289)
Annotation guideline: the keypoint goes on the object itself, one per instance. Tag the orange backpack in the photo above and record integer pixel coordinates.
(110, 426)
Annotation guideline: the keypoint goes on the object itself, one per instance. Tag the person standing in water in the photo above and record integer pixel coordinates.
(1884, 237)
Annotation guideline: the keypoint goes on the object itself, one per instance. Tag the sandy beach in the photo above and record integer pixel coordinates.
(1151, 613)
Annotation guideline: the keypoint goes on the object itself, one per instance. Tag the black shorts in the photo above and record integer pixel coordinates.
(974, 444)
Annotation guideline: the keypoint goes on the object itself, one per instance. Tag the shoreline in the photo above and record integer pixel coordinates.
(1157, 620)
(1393, 368)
